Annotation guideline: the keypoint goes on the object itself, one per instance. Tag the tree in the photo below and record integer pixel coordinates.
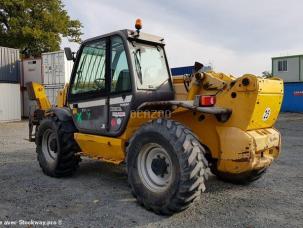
(267, 74)
(36, 26)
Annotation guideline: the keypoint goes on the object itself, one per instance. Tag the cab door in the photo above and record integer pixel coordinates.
(89, 89)
(120, 86)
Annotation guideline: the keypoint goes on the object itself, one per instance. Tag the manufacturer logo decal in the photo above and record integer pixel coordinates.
(124, 104)
(266, 114)
(115, 109)
(298, 93)
(118, 114)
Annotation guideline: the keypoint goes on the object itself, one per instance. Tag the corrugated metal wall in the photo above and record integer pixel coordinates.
(56, 69)
(10, 102)
(9, 65)
(53, 70)
(293, 97)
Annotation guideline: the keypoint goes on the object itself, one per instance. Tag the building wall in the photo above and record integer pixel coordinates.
(293, 69)
(301, 68)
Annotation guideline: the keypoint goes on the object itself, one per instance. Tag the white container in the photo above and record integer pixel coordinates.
(56, 69)
(32, 71)
(10, 102)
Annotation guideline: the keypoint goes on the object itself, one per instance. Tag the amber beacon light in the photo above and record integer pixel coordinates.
(138, 25)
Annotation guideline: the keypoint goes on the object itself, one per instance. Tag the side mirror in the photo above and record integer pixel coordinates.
(198, 66)
(69, 54)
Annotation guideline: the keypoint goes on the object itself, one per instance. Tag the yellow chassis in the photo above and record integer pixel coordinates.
(246, 142)
(240, 151)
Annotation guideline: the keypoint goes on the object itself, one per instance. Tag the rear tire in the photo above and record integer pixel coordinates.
(56, 148)
(166, 166)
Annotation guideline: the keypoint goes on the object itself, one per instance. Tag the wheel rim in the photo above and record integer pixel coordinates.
(155, 167)
(49, 146)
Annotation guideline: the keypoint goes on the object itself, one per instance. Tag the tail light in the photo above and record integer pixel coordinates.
(205, 101)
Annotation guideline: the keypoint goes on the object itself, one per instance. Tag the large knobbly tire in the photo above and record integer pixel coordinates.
(241, 178)
(167, 168)
(56, 148)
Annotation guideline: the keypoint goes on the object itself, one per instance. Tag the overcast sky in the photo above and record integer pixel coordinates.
(235, 36)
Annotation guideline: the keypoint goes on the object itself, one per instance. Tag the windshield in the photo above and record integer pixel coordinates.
(150, 66)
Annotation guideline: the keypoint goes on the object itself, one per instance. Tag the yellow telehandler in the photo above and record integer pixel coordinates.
(123, 106)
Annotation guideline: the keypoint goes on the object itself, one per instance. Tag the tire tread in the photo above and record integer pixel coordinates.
(68, 161)
(193, 164)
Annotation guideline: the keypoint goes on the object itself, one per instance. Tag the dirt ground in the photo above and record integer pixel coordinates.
(99, 196)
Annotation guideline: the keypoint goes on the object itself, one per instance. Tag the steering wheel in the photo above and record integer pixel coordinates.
(100, 82)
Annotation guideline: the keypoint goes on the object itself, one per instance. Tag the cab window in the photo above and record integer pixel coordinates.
(90, 73)
(119, 67)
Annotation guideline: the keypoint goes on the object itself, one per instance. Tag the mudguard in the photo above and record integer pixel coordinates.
(63, 114)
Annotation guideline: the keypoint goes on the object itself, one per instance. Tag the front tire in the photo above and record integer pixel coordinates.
(166, 166)
(56, 148)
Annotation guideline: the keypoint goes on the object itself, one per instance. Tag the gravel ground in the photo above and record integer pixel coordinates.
(99, 196)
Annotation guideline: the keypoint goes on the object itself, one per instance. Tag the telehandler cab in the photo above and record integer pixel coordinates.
(123, 106)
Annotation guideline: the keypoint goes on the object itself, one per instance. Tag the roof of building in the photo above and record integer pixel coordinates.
(287, 56)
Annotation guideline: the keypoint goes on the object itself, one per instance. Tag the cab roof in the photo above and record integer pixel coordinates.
(132, 35)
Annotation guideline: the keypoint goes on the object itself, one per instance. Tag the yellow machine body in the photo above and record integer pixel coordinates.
(112, 149)
(37, 92)
(247, 141)
(62, 97)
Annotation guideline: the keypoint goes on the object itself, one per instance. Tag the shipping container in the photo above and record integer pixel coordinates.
(293, 97)
(56, 69)
(10, 102)
(53, 70)
(31, 71)
(9, 65)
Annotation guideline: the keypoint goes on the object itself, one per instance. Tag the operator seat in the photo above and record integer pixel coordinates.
(123, 82)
